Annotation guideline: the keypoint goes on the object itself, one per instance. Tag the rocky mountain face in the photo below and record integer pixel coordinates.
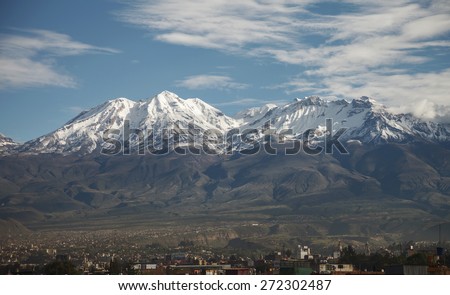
(394, 182)
(364, 120)
(7, 145)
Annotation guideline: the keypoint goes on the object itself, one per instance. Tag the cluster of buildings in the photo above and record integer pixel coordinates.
(105, 255)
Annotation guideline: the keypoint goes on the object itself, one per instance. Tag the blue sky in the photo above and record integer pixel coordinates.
(60, 57)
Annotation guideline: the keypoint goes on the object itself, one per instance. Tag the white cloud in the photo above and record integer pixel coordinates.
(210, 81)
(423, 94)
(427, 27)
(219, 24)
(24, 72)
(29, 58)
(382, 48)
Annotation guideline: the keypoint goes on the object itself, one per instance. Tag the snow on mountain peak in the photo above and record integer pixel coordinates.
(7, 144)
(4, 140)
(166, 97)
(363, 118)
(255, 114)
(365, 102)
(167, 94)
(311, 100)
(84, 133)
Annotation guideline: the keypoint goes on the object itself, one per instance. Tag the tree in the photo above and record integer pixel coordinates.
(128, 268)
(288, 253)
(115, 267)
(348, 255)
(60, 268)
(262, 267)
(447, 259)
(417, 259)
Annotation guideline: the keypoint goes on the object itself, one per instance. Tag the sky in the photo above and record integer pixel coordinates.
(60, 57)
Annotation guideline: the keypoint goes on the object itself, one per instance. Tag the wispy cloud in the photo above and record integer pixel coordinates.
(210, 81)
(24, 72)
(29, 58)
(219, 24)
(375, 48)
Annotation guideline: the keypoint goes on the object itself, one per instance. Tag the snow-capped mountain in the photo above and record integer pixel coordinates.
(7, 145)
(364, 118)
(84, 133)
(254, 115)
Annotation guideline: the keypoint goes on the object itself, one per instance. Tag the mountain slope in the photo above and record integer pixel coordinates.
(168, 122)
(84, 133)
(394, 182)
(386, 190)
(364, 118)
(7, 145)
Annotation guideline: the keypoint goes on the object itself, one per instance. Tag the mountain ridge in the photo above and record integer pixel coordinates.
(382, 190)
(364, 119)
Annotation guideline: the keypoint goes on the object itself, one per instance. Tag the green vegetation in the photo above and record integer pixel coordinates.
(60, 268)
(378, 262)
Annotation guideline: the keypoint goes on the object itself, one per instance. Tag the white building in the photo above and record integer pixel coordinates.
(304, 252)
